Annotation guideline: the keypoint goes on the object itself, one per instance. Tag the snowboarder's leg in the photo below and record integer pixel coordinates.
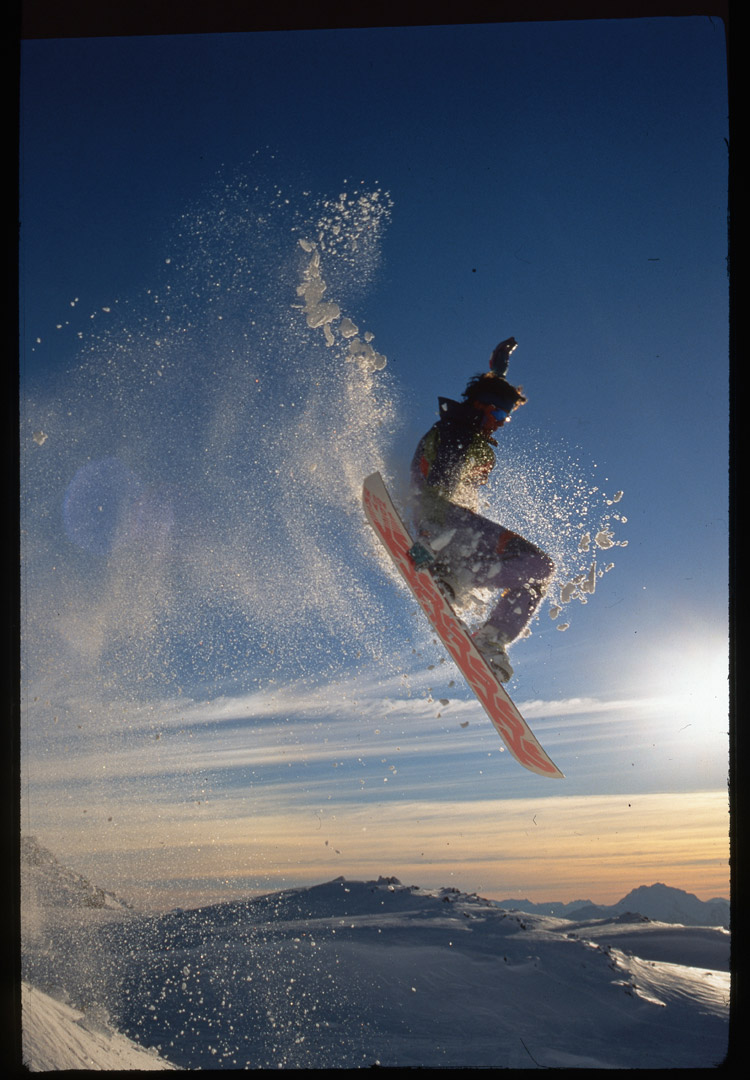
(462, 544)
(472, 552)
(523, 574)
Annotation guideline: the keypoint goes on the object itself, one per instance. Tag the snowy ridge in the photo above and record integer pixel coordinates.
(349, 974)
(56, 885)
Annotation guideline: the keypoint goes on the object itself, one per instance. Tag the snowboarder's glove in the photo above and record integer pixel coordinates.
(501, 356)
(421, 555)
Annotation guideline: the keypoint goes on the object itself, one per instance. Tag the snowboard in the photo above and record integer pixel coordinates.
(513, 729)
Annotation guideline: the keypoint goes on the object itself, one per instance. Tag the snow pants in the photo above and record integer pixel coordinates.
(476, 553)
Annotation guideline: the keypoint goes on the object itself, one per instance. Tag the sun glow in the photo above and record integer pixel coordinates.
(695, 679)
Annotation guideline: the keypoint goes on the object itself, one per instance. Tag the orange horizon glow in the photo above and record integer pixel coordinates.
(558, 849)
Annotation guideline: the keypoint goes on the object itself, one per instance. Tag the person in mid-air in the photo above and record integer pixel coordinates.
(465, 551)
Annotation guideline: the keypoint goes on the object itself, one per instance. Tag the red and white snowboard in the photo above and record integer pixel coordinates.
(513, 729)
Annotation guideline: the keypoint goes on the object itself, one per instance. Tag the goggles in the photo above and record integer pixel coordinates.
(491, 408)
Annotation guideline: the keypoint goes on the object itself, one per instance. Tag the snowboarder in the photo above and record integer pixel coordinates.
(463, 550)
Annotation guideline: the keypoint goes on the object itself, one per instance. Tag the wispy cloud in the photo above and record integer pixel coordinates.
(363, 775)
(300, 725)
(582, 706)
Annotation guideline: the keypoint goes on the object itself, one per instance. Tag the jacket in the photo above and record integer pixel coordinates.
(452, 461)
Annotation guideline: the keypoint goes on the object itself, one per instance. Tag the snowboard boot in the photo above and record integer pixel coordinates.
(448, 583)
(491, 644)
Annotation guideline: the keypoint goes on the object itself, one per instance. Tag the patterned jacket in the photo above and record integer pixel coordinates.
(452, 461)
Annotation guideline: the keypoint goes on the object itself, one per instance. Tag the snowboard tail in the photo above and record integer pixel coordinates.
(513, 729)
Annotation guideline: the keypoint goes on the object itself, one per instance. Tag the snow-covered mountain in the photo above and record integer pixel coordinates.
(662, 902)
(45, 880)
(351, 974)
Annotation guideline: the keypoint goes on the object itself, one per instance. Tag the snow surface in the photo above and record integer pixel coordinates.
(57, 1036)
(349, 974)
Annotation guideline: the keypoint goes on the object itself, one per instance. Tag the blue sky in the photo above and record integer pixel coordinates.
(242, 656)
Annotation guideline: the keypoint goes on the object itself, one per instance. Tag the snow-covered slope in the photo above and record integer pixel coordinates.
(57, 1036)
(351, 974)
(62, 914)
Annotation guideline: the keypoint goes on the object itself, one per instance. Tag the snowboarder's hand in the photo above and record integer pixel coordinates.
(501, 356)
(421, 555)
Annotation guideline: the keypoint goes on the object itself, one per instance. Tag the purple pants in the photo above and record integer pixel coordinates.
(475, 552)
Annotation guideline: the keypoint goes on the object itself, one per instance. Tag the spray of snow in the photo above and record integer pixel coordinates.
(192, 485)
(547, 494)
